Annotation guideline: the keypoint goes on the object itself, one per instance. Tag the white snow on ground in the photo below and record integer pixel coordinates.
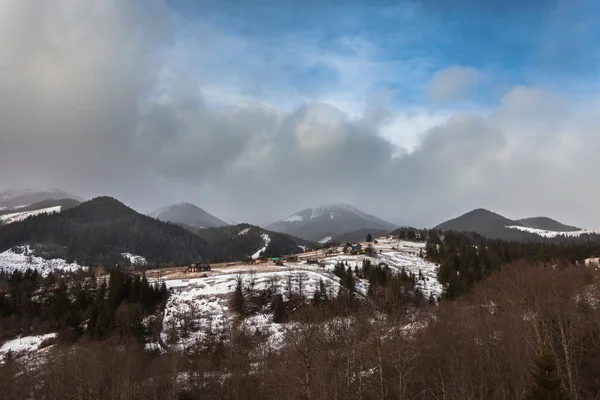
(325, 240)
(592, 261)
(20, 216)
(293, 218)
(551, 234)
(21, 258)
(266, 239)
(23, 346)
(303, 248)
(205, 302)
(134, 259)
(244, 232)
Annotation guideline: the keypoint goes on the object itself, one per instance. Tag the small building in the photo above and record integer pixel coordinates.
(199, 267)
(353, 248)
(291, 259)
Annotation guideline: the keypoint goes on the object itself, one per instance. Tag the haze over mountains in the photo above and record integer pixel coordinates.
(19, 198)
(188, 214)
(210, 236)
(328, 221)
(17, 205)
(493, 225)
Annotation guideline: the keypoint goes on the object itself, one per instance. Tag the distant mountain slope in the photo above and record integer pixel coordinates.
(239, 242)
(359, 235)
(482, 221)
(12, 199)
(547, 224)
(99, 231)
(9, 216)
(493, 225)
(330, 220)
(188, 214)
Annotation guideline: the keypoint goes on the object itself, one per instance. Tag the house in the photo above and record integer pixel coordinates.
(198, 267)
(291, 259)
(353, 248)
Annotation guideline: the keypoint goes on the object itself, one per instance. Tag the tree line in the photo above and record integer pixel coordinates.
(78, 306)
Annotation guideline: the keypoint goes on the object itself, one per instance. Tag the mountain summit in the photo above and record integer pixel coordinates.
(19, 198)
(328, 221)
(188, 214)
(493, 225)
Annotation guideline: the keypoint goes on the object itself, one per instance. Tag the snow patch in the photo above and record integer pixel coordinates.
(23, 345)
(266, 239)
(135, 259)
(552, 234)
(21, 258)
(294, 218)
(325, 240)
(244, 232)
(20, 216)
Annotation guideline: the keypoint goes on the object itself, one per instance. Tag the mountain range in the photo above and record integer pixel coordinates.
(104, 231)
(493, 225)
(324, 223)
(17, 205)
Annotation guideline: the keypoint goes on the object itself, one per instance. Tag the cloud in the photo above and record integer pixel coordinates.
(124, 100)
(454, 83)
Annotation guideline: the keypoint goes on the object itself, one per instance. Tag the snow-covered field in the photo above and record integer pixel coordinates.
(202, 304)
(20, 216)
(552, 234)
(23, 346)
(21, 258)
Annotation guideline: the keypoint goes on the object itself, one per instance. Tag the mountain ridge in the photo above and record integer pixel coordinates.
(494, 225)
(333, 219)
(188, 214)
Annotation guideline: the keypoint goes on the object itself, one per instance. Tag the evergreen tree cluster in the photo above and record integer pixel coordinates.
(97, 232)
(466, 258)
(82, 305)
(225, 244)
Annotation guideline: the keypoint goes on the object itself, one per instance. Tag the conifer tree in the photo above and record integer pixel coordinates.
(547, 385)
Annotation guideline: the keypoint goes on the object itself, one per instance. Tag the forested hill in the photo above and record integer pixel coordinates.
(98, 231)
(466, 258)
(238, 242)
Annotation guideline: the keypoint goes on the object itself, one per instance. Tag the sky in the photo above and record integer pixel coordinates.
(414, 111)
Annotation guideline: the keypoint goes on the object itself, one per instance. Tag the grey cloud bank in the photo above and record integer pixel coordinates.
(84, 107)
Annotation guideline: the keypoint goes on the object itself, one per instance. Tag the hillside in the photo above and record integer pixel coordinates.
(359, 235)
(9, 216)
(328, 221)
(99, 231)
(13, 199)
(547, 224)
(493, 225)
(239, 242)
(188, 214)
